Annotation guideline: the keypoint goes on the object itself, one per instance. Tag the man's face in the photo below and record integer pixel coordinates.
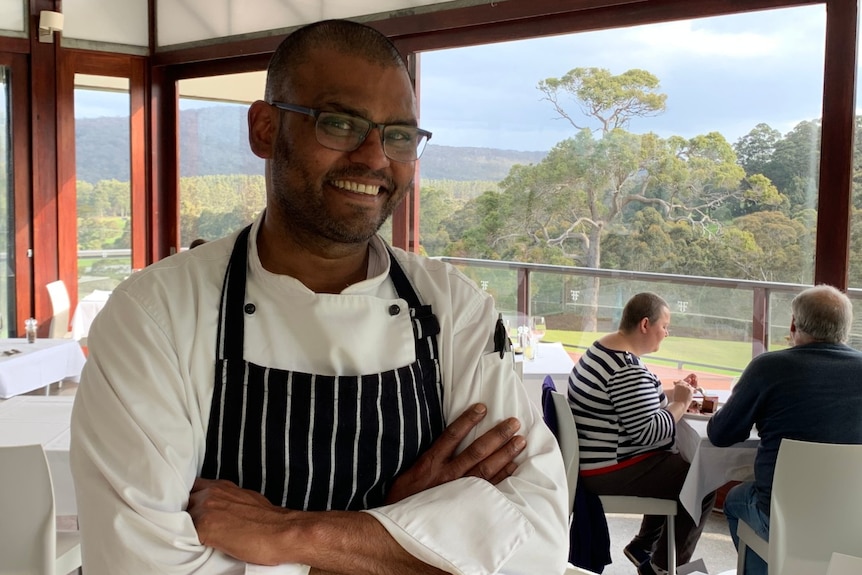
(336, 196)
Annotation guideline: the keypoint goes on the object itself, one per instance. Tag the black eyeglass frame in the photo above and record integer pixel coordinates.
(425, 135)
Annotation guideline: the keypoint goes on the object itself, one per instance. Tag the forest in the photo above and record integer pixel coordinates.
(604, 197)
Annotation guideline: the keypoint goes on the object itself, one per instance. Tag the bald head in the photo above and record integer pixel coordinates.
(823, 314)
(339, 35)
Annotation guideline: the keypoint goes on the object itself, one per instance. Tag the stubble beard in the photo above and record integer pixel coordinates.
(301, 204)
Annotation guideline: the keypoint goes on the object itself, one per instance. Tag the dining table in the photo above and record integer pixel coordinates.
(86, 311)
(43, 420)
(26, 366)
(711, 466)
(551, 359)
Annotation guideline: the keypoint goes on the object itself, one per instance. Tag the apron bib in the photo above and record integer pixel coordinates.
(319, 442)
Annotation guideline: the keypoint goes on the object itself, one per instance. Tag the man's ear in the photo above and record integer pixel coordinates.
(262, 128)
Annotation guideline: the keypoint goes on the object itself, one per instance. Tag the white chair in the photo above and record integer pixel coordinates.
(841, 564)
(815, 509)
(29, 540)
(60, 306)
(568, 439)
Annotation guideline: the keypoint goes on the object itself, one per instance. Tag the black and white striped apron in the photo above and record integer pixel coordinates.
(318, 442)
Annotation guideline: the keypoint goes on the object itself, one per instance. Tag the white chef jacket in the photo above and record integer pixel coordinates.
(141, 412)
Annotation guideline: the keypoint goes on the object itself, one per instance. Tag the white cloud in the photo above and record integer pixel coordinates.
(723, 74)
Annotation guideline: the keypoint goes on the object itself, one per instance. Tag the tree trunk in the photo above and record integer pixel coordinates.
(591, 299)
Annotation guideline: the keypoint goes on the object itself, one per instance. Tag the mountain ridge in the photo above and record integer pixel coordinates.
(102, 146)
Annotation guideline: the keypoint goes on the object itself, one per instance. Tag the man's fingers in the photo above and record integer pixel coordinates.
(504, 473)
(492, 465)
(484, 447)
(456, 431)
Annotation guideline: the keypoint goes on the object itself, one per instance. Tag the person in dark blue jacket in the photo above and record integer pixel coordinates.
(810, 392)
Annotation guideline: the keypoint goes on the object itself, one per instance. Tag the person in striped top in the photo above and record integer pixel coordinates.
(627, 426)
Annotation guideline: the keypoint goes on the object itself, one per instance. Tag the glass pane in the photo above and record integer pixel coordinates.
(687, 149)
(222, 187)
(7, 212)
(103, 163)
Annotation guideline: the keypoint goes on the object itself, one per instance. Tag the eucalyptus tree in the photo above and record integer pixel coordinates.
(590, 184)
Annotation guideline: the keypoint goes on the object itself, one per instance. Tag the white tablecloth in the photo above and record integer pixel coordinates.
(551, 359)
(86, 311)
(28, 366)
(711, 466)
(31, 419)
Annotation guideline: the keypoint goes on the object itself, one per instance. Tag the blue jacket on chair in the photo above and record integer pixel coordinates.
(589, 539)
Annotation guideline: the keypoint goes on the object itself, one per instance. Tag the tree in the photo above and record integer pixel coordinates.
(779, 239)
(437, 206)
(794, 165)
(754, 151)
(612, 100)
(592, 185)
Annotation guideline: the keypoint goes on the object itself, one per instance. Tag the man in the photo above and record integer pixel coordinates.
(627, 427)
(809, 392)
(279, 397)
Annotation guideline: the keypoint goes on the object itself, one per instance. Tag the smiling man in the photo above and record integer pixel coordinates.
(300, 395)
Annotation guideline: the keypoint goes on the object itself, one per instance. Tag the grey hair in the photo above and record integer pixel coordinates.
(342, 35)
(823, 313)
(643, 305)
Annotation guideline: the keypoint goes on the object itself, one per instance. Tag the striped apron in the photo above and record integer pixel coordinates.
(319, 442)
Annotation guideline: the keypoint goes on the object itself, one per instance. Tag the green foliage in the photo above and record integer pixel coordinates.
(612, 100)
(212, 207)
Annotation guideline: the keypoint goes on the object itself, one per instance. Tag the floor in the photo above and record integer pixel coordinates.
(715, 547)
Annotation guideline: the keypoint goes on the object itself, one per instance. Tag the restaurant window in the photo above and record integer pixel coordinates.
(103, 192)
(222, 187)
(687, 148)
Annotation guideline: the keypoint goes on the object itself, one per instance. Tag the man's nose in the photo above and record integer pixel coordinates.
(370, 151)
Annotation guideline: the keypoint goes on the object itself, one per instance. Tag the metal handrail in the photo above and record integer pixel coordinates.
(761, 290)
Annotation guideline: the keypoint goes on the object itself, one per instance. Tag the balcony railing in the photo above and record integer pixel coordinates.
(702, 307)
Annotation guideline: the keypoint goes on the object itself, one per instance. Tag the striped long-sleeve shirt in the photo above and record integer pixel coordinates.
(618, 407)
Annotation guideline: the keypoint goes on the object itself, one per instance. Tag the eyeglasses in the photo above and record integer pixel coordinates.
(345, 133)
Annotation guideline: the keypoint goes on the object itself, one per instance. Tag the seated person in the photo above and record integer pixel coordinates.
(809, 392)
(626, 429)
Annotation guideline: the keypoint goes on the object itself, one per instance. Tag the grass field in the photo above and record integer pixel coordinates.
(729, 357)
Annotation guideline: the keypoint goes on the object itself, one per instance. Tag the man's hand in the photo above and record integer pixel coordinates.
(236, 521)
(490, 456)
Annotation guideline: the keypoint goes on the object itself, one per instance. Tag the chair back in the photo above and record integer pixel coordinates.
(815, 509)
(60, 305)
(28, 531)
(841, 564)
(567, 436)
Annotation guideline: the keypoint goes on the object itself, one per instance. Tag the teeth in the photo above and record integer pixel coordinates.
(358, 188)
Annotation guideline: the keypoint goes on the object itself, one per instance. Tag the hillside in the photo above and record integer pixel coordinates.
(102, 146)
(457, 163)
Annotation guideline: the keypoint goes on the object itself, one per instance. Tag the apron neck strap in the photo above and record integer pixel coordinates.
(231, 323)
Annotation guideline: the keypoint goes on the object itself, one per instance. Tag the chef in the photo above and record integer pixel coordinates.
(300, 397)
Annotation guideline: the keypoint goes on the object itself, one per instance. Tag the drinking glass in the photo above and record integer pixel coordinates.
(537, 329)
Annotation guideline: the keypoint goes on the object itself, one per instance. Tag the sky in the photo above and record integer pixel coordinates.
(724, 74)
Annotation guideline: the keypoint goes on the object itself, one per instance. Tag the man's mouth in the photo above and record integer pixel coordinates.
(355, 187)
